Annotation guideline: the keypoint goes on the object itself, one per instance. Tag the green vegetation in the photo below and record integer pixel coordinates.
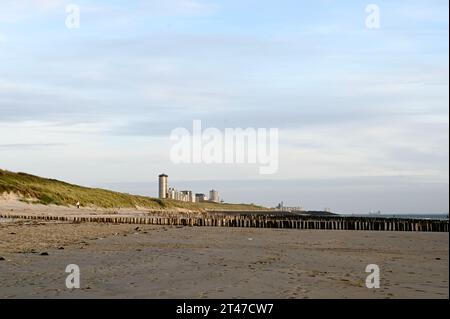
(45, 191)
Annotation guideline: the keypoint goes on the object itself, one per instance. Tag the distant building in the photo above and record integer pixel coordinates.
(189, 197)
(283, 208)
(163, 186)
(176, 195)
(166, 192)
(171, 193)
(214, 196)
(200, 197)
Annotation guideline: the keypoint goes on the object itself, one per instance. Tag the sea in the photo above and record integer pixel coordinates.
(408, 216)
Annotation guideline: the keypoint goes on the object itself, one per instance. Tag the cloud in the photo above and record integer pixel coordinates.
(178, 7)
(421, 11)
(13, 11)
(45, 5)
(27, 146)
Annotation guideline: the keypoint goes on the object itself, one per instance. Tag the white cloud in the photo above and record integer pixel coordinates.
(179, 7)
(13, 11)
(45, 5)
(390, 147)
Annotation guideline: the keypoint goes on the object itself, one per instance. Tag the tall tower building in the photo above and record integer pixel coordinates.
(163, 186)
(214, 196)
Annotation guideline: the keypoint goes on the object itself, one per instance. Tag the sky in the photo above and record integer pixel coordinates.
(362, 113)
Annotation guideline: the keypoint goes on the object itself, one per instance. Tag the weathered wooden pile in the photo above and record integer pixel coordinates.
(255, 220)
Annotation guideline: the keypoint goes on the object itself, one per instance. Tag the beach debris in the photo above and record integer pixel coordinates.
(137, 229)
(437, 258)
(43, 253)
(12, 233)
(2, 258)
(61, 248)
(250, 239)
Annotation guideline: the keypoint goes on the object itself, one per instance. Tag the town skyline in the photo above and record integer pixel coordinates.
(166, 191)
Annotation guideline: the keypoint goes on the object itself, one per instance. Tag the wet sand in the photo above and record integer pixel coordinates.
(118, 261)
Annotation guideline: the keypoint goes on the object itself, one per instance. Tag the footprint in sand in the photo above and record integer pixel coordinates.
(203, 295)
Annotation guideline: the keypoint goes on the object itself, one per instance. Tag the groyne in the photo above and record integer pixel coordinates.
(255, 221)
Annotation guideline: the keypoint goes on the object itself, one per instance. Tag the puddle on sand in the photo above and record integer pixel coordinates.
(6, 220)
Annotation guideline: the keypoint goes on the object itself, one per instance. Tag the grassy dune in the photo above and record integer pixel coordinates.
(50, 191)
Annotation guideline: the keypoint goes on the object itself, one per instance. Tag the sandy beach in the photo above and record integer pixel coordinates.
(126, 261)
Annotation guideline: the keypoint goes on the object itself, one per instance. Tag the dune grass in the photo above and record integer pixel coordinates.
(50, 191)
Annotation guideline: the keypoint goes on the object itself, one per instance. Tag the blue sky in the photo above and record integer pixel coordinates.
(362, 113)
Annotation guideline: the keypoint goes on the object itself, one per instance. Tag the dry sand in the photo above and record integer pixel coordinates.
(120, 261)
(116, 261)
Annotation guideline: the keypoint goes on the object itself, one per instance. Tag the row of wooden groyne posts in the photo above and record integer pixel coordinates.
(258, 221)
